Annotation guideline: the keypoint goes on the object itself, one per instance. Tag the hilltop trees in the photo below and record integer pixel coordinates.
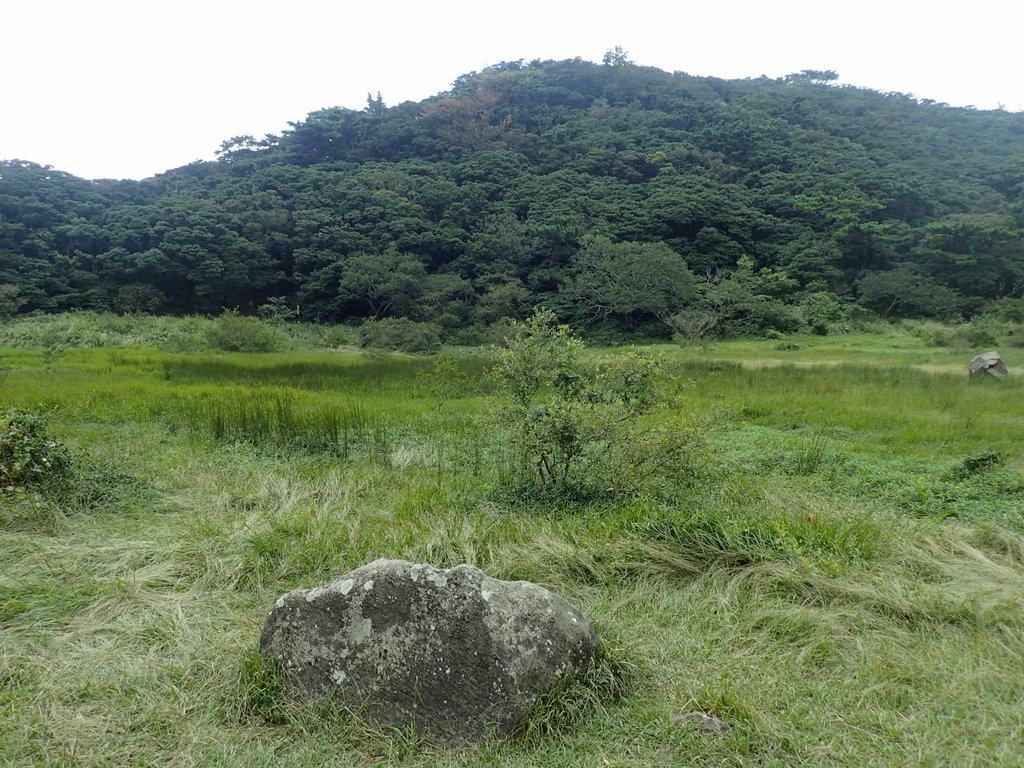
(617, 193)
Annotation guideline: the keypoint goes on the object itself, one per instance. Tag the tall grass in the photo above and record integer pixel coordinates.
(279, 418)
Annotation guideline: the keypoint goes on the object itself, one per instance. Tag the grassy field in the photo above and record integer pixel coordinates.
(839, 575)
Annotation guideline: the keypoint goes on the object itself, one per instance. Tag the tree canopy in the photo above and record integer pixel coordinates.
(614, 193)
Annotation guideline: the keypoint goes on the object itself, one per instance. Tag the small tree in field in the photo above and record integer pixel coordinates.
(692, 325)
(574, 422)
(445, 380)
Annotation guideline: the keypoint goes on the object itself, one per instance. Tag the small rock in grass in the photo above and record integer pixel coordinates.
(452, 652)
(707, 722)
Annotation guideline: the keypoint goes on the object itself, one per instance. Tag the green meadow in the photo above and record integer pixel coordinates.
(836, 571)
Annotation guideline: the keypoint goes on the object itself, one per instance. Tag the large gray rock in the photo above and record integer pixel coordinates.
(452, 651)
(988, 364)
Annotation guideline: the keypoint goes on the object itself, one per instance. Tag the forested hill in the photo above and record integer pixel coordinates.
(610, 192)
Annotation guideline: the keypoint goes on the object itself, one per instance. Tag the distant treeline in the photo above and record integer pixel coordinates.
(621, 196)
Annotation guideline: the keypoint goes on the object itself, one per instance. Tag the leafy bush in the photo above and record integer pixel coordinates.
(189, 334)
(401, 334)
(233, 332)
(320, 336)
(479, 334)
(983, 331)
(931, 333)
(976, 464)
(823, 313)
(277, 310)
(28, 455)
(1009, 309)
(578, 425)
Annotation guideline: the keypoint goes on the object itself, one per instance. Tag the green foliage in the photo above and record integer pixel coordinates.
(277, 310)
(9, 300)
(28, 455)
(930, 332)
(972, 465)
(1009, 309)
(903, 293)
(616, 57)
(1016, 337)
(752, 302)
(629, 279)
(232, 332)
(823, 313)
(605, 188)
(400, 334)
(445, 380)
(575, 423)
(382, 284)
(982, 331)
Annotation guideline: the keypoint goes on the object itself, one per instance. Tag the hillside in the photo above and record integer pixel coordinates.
(617, 194)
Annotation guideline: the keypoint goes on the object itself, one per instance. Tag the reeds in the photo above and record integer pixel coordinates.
(281, 419)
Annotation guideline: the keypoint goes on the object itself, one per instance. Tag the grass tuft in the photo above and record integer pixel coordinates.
(612, 677)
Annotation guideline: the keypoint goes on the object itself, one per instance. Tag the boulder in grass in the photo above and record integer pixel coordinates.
(452, 652)
(988, 364)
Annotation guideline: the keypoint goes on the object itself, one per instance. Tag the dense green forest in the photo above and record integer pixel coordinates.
(625, 198)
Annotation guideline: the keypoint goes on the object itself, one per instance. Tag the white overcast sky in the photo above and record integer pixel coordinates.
(128, 89)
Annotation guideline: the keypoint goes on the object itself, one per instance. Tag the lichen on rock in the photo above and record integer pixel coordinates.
(453, 651)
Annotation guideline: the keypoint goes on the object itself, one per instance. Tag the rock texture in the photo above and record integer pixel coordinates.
(452, 651)
(988, 364)
(706, 722)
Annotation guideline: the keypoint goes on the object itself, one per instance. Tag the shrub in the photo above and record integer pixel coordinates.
(576, 425)
(277, 310)
(335, 336)
(931, 333)
(823, 313)
(982, 331)
(232, 332)
(1008, 309)
(973, 465)
(401, 334)
(445, 380)
(28, 455)
(189, 334)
